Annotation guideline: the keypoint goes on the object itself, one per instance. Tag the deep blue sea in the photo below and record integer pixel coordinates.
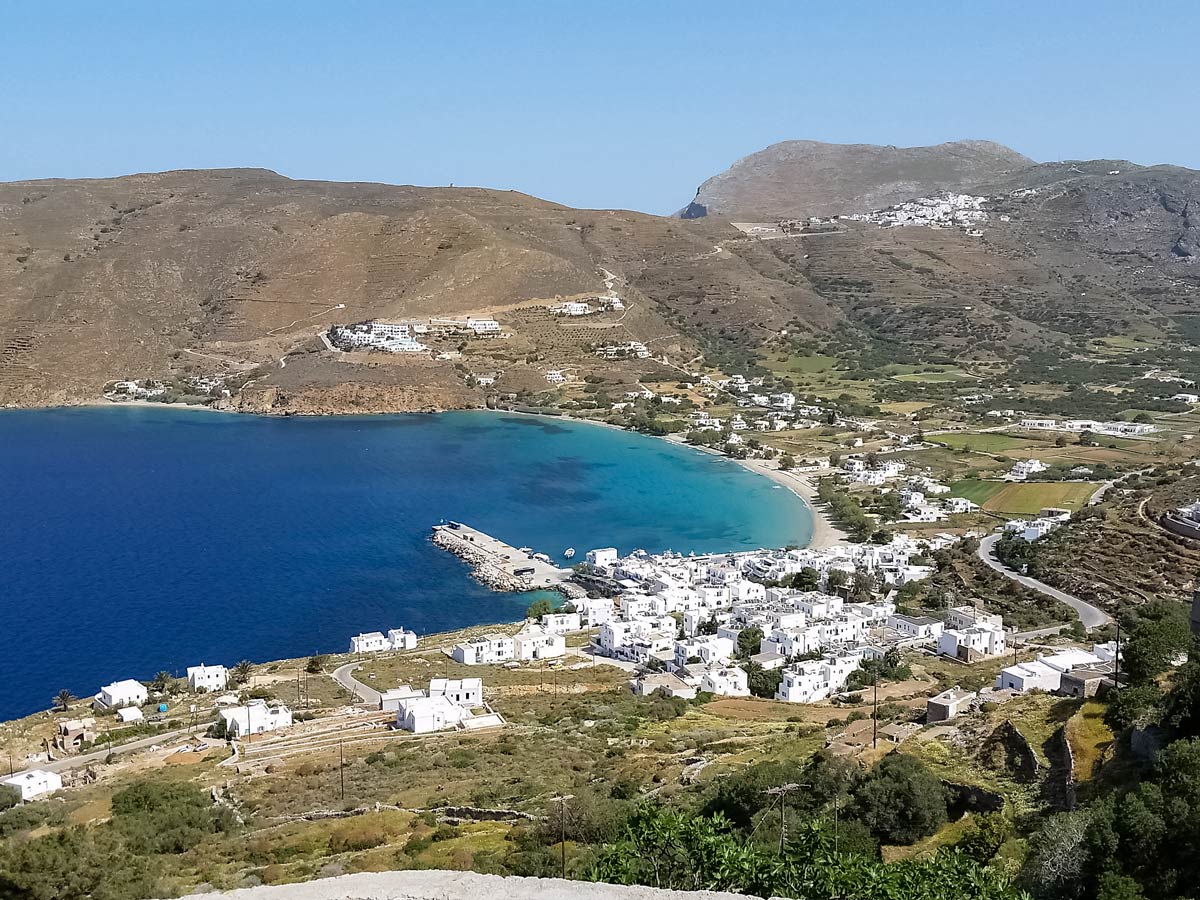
(136, 539)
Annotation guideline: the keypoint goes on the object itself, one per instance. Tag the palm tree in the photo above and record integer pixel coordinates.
(242, 670)
(162, 681)
(64, 699)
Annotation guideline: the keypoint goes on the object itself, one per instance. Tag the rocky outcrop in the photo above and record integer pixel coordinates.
(796, 179)
(436, 885)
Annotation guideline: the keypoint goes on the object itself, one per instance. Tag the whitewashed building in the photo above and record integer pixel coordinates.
(121, 693)
(207, 678)
(34, 783)
(535, 641)
(463, 691)
(256, 717)
(562, 622)
(728, 681)
(486, 650)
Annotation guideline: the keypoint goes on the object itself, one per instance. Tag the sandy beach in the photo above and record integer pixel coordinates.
(824, 533)
(802, 484)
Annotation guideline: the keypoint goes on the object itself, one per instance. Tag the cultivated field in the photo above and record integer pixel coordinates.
(1024, 499)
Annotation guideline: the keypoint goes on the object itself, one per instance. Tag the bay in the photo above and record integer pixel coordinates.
(139, 539)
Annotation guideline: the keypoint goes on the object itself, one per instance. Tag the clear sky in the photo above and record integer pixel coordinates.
(600, 104)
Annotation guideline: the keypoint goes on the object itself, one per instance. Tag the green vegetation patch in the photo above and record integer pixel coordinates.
(986, 442)
(977, 491)
(1030, 498)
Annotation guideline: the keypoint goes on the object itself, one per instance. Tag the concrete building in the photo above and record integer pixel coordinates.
(423, 715)
(121, 693)
(921, 628)
(948, 705)
(207, 678)
(466, 692)
(535, 641)
(562, 622)
(972, 643)
(672, 685)
(34, 783)
(728, 681)
(389, 700)
(486, 650)
(256, 717)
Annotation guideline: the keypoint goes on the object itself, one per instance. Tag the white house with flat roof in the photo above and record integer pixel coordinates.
(424, 715)
(1044, 673)
(34, 783)
(921, 628)
(121, 693)
(449, 704)
(207, 678)
(378, 642)
(535, 641)
(256, 717)
(463, 691)
(368, 642)
(389, 700)
(486, 650)
(401, 639)
(561, 622)
(728, 681)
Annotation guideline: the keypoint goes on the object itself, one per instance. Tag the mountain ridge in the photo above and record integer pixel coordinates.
(801, 178)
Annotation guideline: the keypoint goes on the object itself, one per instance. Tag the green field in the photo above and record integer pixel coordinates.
(934, 377)
(988, 442)
(798, 364)
(1024, 499)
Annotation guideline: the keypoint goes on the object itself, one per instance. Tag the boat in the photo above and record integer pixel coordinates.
(569, 552)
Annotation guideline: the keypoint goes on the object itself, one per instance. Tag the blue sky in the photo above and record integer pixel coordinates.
(614, 104)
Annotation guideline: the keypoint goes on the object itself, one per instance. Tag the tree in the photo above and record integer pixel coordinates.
(748, 641)
(787, 462)
(807, 579)
(539, 608)
(241, 672)
(1162, 633)
(762, 682)
(10, 796)
(901, 801)
(162, 681)
(64, 699)
(316, 664)
(835, 580)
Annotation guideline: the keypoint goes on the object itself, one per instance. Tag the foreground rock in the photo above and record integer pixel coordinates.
(435, 885)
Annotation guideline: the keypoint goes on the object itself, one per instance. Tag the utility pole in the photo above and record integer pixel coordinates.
(562, 828)
(875, 715)
(1117, 659)
(342, 767)
(780, 793)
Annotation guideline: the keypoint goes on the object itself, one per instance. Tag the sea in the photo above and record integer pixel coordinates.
(139, 539)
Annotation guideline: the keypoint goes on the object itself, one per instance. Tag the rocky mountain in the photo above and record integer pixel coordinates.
(237, 272)
(797, 179)
(226, 280)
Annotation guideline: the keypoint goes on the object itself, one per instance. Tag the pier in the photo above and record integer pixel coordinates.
(496, 564)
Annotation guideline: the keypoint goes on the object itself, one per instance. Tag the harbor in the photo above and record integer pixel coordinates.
(501, 566)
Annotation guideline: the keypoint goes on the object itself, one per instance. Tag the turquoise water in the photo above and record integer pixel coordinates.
(138, 539)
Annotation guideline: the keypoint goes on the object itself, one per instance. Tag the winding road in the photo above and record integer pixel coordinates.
(1090, 616)
(344, 675)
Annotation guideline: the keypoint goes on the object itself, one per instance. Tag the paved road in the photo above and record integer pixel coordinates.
(344, 675)
(1090, 616)
(98, 756)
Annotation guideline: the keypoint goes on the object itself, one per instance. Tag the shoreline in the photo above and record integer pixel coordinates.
(824, 533)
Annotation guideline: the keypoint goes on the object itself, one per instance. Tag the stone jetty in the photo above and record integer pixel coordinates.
(497, 564)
